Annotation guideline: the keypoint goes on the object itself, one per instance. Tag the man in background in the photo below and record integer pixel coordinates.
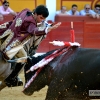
(5, 9)
(74, 11)
(63, 11)
(97, 11)
(86, 11)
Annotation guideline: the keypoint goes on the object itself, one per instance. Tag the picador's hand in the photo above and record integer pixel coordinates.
(54, 26)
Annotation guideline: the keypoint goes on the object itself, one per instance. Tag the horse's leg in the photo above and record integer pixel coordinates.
(2, 85)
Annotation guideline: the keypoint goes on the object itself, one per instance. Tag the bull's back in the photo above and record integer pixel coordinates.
(81, 71)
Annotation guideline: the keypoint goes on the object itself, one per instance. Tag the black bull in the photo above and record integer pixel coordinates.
(69, 76)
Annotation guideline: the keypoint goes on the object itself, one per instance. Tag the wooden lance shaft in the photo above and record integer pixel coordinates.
(72, 33)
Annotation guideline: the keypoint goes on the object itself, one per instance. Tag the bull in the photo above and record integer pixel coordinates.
(69, 76)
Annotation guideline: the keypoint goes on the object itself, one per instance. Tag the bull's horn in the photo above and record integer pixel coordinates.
(11, 61)
(28, 71)
(51, 42)
(20, 60)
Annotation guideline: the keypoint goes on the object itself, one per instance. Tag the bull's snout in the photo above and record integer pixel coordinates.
(28, 93)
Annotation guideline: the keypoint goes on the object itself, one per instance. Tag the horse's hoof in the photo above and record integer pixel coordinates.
(14, 83)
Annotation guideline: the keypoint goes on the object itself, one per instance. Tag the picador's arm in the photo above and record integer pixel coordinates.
(41, 30)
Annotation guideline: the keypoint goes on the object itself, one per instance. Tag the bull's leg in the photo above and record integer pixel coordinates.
(53, 92)
(59, 91)
(63, 91)
(2, 85)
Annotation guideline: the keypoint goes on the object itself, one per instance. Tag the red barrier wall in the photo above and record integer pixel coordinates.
(87, 32)
(7, 18)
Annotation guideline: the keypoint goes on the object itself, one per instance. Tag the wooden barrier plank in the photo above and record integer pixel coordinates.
(7, 18)
(87, 31)
(62, 33)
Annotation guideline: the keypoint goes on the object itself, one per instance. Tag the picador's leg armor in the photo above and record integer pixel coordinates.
(12, 79)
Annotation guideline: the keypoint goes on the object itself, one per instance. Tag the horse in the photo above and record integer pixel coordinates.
(7, 70)
(69, 76)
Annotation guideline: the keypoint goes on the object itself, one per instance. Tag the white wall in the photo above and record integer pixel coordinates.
(51, 5)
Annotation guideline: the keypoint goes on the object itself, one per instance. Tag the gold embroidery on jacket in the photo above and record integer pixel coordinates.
(15, 43)
(5, 33)
(26, 39)
(9, 35)
(3, 25)
(18, 22)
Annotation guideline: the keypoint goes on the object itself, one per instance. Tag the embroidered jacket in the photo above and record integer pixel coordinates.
(22, 28)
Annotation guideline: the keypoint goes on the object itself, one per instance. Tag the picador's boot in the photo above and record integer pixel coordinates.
(13, 80)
